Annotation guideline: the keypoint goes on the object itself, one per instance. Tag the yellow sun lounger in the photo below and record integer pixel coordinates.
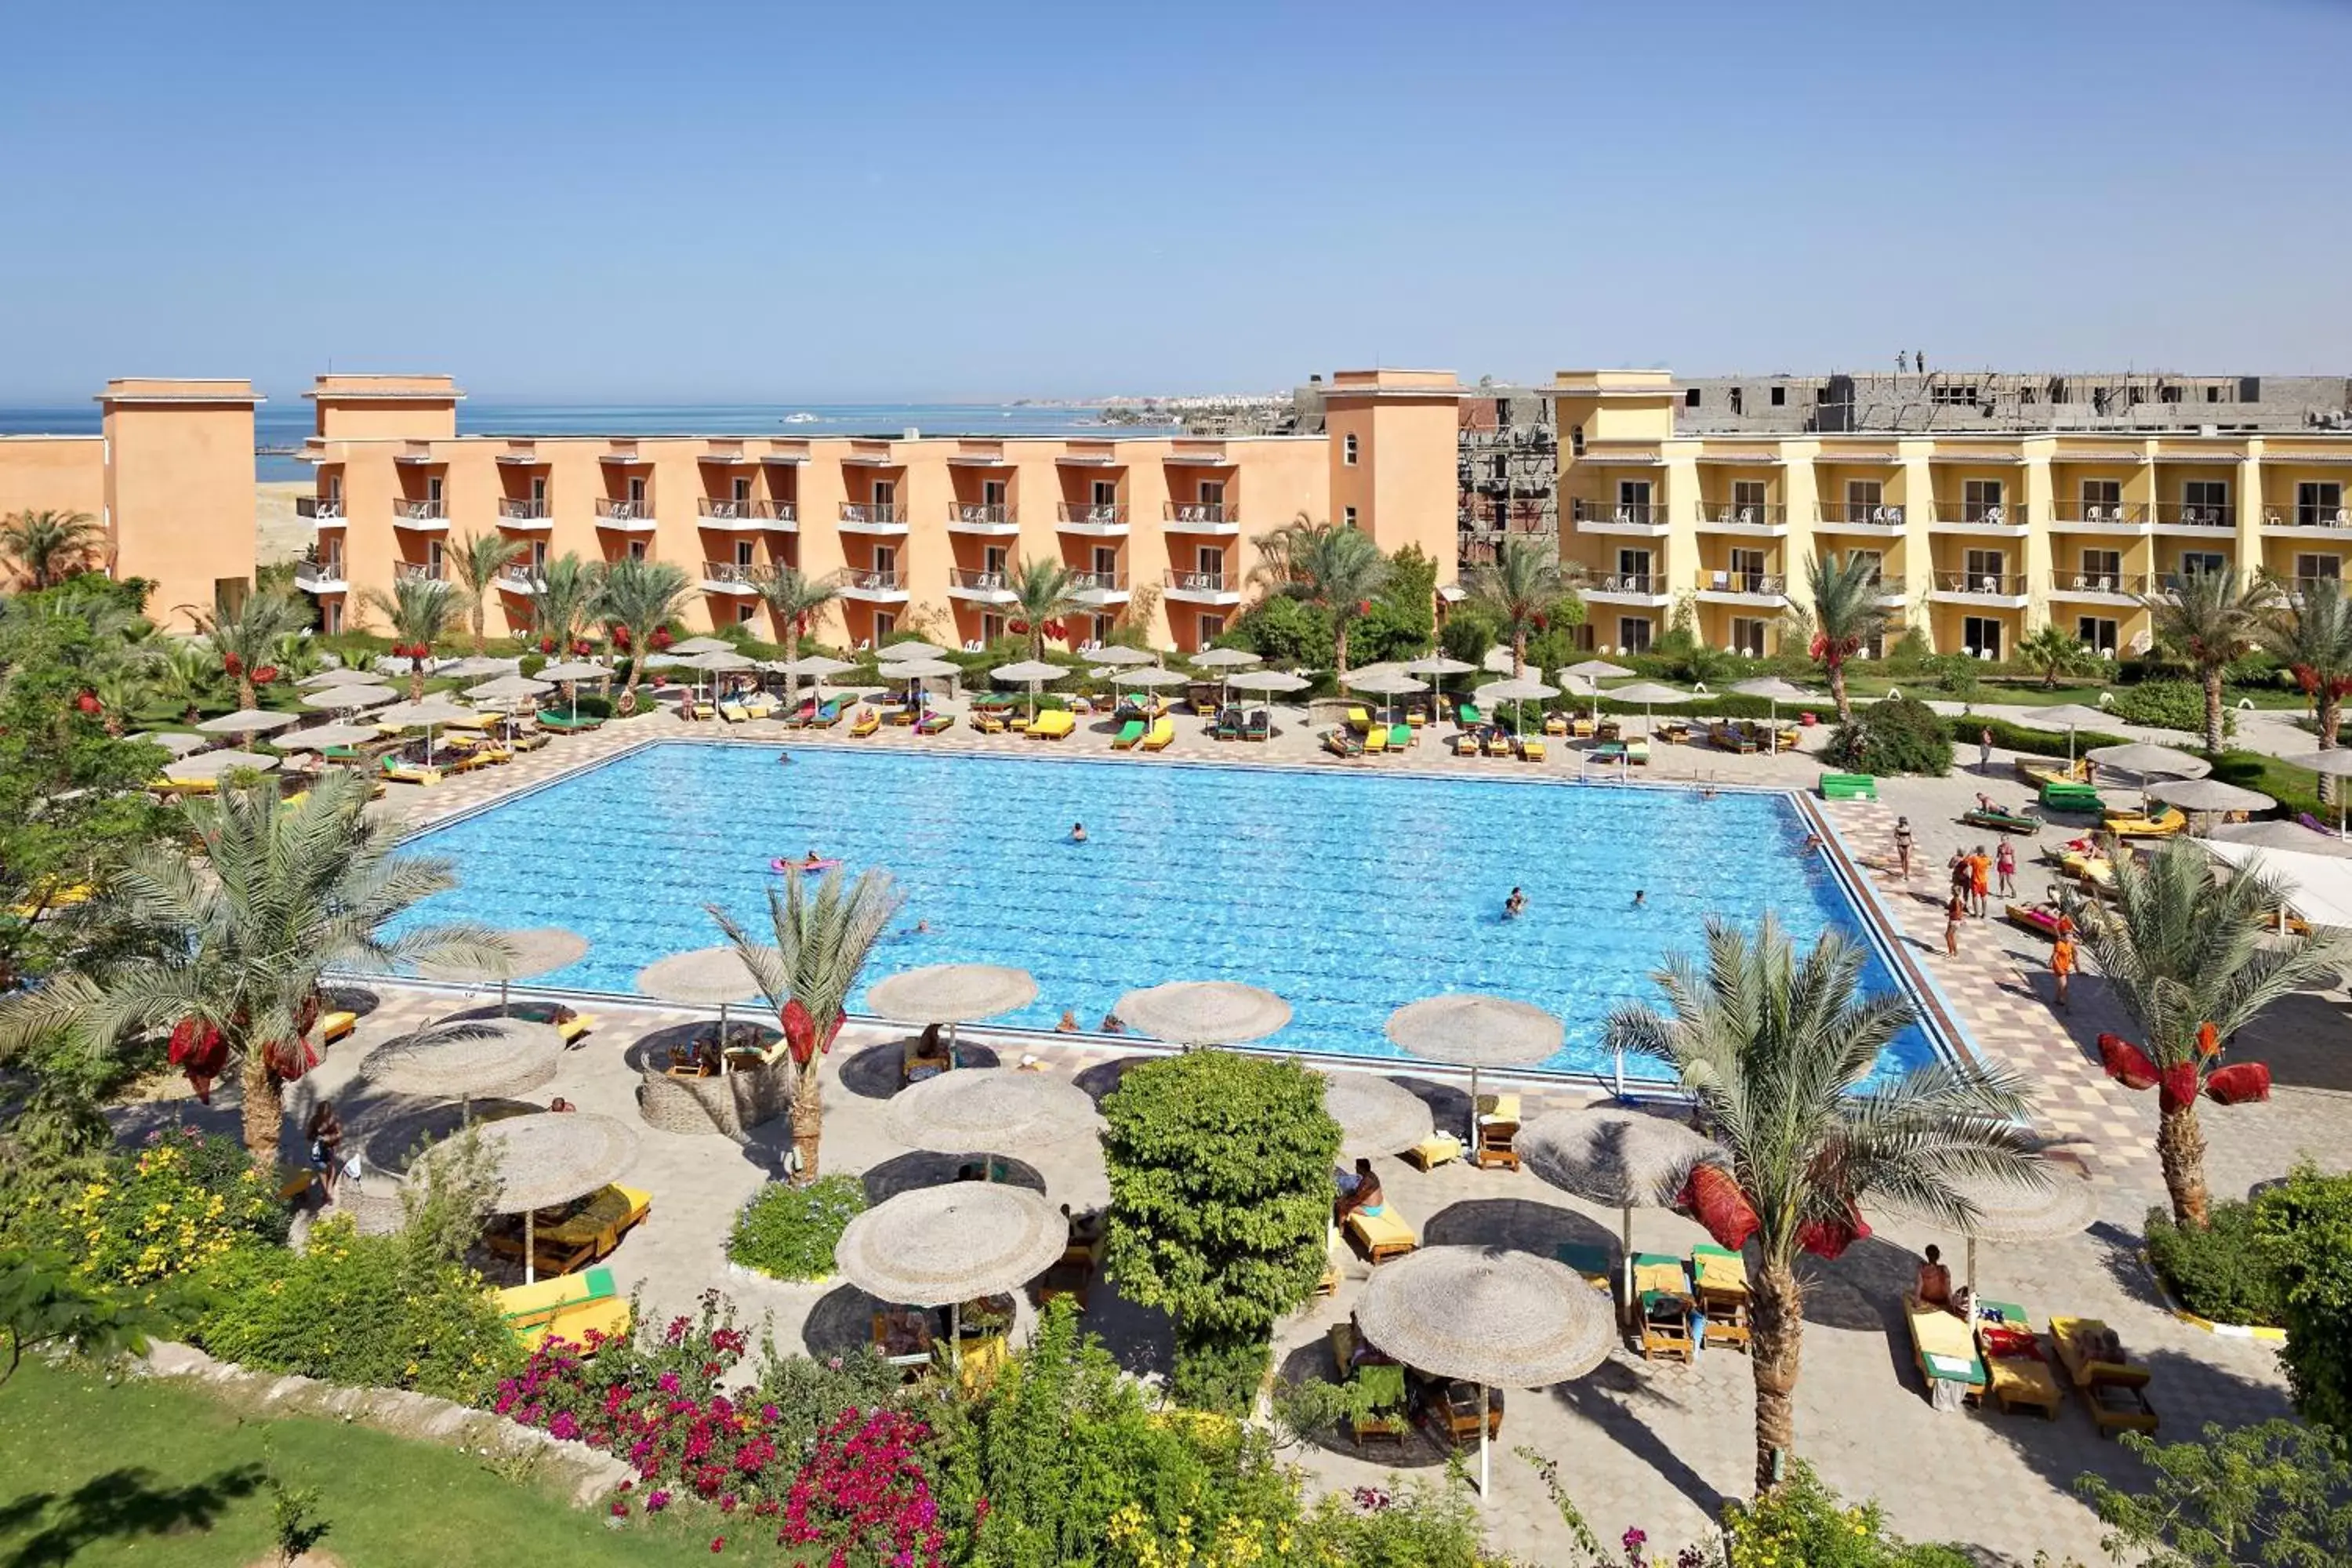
(732, 712)
(1053, 724)
(2139, 824)
(1163, 735)
(865, 723)
(1465, 744)
(1376, 739)
(1944, 1352)
(1498, 745)
(1531, 749)
(567, 1307)
(334, 1026)
(1359, 720)
(1381, 1235)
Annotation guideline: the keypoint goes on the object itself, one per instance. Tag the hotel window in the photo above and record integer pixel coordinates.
(743, 552)
(1981, 637)
(2103, 501)
(1633, 568)
(885, 625)
(1103, 626)
(885, 562)
(1576, 440)
(433, 483)
(335, 491)
(2206, 501)
(1985, 569)
(1347, 449)
(1862, 500)
(1876, 560)
(1690, 397)
(1212, 629)
(1748, 571)
(1213, 494)
(1209, 561)
(538, 495)
(538, 554)
(434, 552)
(2319, 504)
(2193, 561)
(1747, 636)
(1349, 516)
(992, 627)
(1780, 397)
(637, 492)
(991, 561)
(1106, 492)
(886, 495)
(2103, 570)
(745, 614)
(2096, 633)
(1634, 501)
(1980, 500)
(1634, 633)
(1747, 501)
(742, 496)
(637, 550)
(2308, 568)
(1106, 564)
(334, 617)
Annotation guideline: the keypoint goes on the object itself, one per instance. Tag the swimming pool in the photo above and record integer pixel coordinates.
(1348, 893)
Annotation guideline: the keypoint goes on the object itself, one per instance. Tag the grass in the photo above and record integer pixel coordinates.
(139, 1473)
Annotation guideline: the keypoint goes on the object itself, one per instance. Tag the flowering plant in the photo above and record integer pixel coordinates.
(171, 1208)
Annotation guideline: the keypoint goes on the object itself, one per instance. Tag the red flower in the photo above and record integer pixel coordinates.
(233, 664)
(264, 675)
(547, 645)
(660, 638)
(88, 702)
(1363, 606)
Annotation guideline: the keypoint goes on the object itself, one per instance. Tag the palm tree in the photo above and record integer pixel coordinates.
(564, 606)
(245, 638)
(1337, 569)
(1847, 615)
(640, 596)
(49, 546)
(185, 677)
(2312, 635)
(1044, 590)
(795, 603)
(2054, 651)
(2183, 949)
(420, 610)
(120, 686)
(478, 561)
(2210, 618)
(1772, 1045)
(242, 932)
(822, 939)
(1527, 590)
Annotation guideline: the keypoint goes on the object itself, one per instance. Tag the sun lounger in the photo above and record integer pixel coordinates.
(1555, 724)
(1663, 1307)
(1359, 720)
(1383, 1236)
(1675, 732)
(1261, 726)
(1582, 729)
(1450, 1410)
(403, 771)
(1437, 1149)
(935, 724)
(334, 1026)
(2072, 798)
(1609, 752)
(732, 712)
(1496, 1117)
(1719, 1283)
(1399, 737)
(1466, 714)
(1731, 738)
(1531, 749)
(2041, 920)
(2020, 1372)
(1849, 786)
(1596, 1264)
(1498, 745)
(565, 724)
(2002, 821)
(2139, 824)
(1416, 717)
(570, 1307)
(1637, 751)
(1945, 1354)
(826, 717)
(760, 706)
(2114, 1386)
(1229, 725)
(1130, 735)
(1053, 724)
(866, 723)
(1466, 743)
(1163, 736)
(1341, 744)
(2038, 773)
(568, 1025)
(987, 720)
(1375, 740)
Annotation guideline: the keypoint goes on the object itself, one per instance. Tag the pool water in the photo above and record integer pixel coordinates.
(1348, 893)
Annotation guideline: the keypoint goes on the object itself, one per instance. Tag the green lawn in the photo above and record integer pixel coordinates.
(149, 1472)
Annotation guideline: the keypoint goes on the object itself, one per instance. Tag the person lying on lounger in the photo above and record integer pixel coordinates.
(1360, 1190)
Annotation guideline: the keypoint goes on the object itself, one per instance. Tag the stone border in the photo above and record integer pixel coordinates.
(2255, 1332)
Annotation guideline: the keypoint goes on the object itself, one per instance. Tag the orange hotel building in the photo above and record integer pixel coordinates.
(924, 527)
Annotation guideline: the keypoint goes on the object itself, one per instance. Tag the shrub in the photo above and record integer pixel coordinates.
(788, 1232)
(170, 1210)
(1896, 735)
(2010, 736)
(2303, 1228)
(1911, 651)
(1470, 630)
(1957, 673)
(1285, 631)
(1804, 1523)
(2222, 1272)
(2163, 704)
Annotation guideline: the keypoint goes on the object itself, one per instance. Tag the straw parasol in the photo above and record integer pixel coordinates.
(1376, 1115)
(2069, 717)
(951, 993)
(249, 722)
(179, 743)
(910, 648)
(427, 714)
(2333, 763)
(325, 737)
(941, 1246)
(1147, 678)
(1267, 682)
(1116, 658)
(553, 1158)
(574, 670)
(1487, 1315)
(702, 978)
(2018, 1213)
(1389, 682)
(341, 677)
(2276, 834)
(1649, 694)
(477, 664)
(350, 698)
(1035, 671)
(915, 671)
(510, 689)
(213, 764)
(1476, 1032)
(476, 1058)
(989, 1109)
(1224, 661)
(1437, 667)
(694, 648)
(816, 667)
(2208, 794)
(1624, 1159)
(1775, 690)
(1519, 689)
(1592, 671)
(535, 950)
(2143, 761)
(1204, 1012)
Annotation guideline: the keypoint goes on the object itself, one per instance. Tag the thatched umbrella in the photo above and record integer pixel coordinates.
(350, 698)
(213, 764)
(179, 743)
(553, 1157)
(426, 714)
(468, 1060)
(2067, 716)
(1204, 1012)
(1389, 682)
(342, 677)
(1115, 657)
(989, 1109)
(1649, 694)
(249, 722)
(1437, 667)
(1476, 1032)
(694, 648)
(2333, 763)
(2019, 1213)
(2141, 762)
(324, 738)
(941, 1246)
(951, 993)
(1035, 671)
(702, 978)
(2208, 795)
(2281, 834)
(1376, 1115)
(1775, 690)
(1520, 690)
(1487, 1315)
(816, 667)
(475, 665)
(535, 949)
(1224, 661)
(915, 671)
(509, 688)
(1624, 1159)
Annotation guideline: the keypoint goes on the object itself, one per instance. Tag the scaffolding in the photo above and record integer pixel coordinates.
(1506, 472)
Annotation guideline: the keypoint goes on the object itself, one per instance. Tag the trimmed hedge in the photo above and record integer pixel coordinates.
(1967, 728)
(2222, 1273)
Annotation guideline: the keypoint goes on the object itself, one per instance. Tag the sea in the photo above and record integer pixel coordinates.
(280, 426)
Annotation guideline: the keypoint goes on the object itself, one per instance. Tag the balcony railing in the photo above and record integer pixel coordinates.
(1991, 585)
(521, 576)
(419, 571)
(1099, 582)
(1632, 514)
(1094, 515)
(1990, 514)
(317, 574)
(1754, 516)
(1643, 583)
(725, 509)
(1859, 514)
(405, 509)
(1770, 583)
(2132, 583)
(618, 508)
(774, 512)
(893, 581)
(2309, 514)
(319, 509)
(979, 582)
(730, 572)
(512, 508)
(1199, 514)
(1202, 582)
(2079, 516)
(873, 514)
(981, 516)
(2297, 588)
(2183, 515)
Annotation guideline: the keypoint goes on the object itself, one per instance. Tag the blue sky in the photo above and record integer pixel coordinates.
(596, 202)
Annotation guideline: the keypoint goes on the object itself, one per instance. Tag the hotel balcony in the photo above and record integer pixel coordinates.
(1094, 520)
(978, 587)
(2100, 587)
(1647, 589)
(2297, 588)
(523, 513)
(519, 578)
(1888, 594)
(1201, 517)
(420, 516)
(1095, 588)
(872, 517)
(1766, 588)
(1853, 517)
(2128, 521)
(729, 577)
(624, 516)
(2002, 522)
(2200, 522)
(2002, 590)
(320, 576)
(781, 516)
(989, 521)
(324, 509)
(1746, 522)
(1647, 518)
(419, 572)
(2297, 519)
(1203, 587)
(729, 516)
(874, 587)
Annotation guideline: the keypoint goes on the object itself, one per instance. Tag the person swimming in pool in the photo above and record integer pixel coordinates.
(1516, 905)
(1641, 897)
(1077, 833)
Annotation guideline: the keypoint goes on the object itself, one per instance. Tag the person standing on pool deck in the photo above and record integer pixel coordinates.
(2005, 865)
(1979, 879)
(2061, 965)
(1955, 912)
(1984, 750)
(1903, 846)
(1515, 906)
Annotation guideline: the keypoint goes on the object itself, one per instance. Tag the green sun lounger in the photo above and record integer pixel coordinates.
(1130, 735)
(1399, 737)
(1466, 714)
(1849, 786)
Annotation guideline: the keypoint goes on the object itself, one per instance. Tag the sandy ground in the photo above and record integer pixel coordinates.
(279, 534)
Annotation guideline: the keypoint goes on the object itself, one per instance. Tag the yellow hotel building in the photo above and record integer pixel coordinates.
(913, 528)
(1991, 505)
